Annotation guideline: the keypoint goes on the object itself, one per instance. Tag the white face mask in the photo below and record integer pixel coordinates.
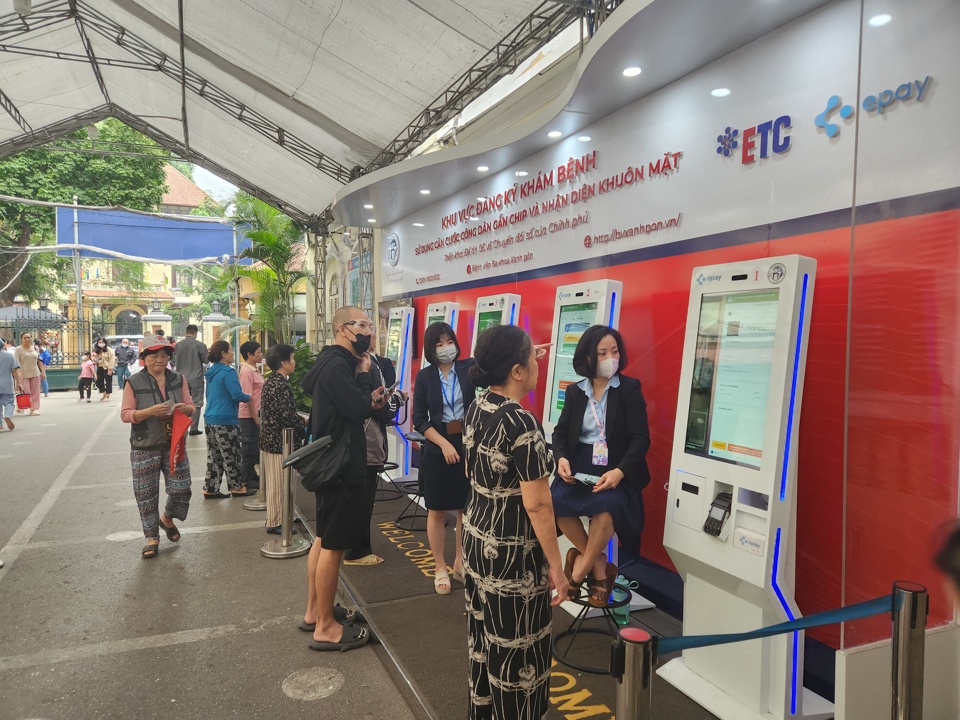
(447, 354)
(608, 368)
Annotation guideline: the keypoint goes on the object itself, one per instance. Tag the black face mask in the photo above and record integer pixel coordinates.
(361, 343)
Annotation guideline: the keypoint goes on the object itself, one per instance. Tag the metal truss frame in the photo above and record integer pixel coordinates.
(255, 120)
(7, 104)
(547, 21)
(192, 156)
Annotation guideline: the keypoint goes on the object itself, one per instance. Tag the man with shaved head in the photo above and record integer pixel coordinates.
(344, 396)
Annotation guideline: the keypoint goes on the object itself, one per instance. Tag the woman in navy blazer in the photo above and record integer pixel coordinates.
(442, 394)
(602, 433)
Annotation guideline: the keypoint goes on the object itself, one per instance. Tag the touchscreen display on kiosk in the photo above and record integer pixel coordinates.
(730, 386)
(574, 321)
(489, 319)
(394, 336)
(435, 319)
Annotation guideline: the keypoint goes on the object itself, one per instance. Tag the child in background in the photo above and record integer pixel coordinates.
(88, 373)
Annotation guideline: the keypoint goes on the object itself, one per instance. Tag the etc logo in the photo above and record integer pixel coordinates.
(756, 142)
(878, 104)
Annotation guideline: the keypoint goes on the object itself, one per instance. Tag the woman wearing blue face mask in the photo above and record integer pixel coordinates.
(442, 394)
(600, 445)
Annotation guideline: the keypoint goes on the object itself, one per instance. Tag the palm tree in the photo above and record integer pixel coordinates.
(276, 246)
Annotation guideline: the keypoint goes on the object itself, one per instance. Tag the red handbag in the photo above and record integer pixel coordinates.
(23, 401)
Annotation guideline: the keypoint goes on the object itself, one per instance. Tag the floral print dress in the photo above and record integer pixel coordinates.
(507, 585)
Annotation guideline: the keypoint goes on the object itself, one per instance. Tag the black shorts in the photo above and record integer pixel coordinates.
(341, 516)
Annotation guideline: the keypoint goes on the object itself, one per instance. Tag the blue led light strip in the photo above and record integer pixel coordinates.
(513, 313)
(793, 390)
(786, 607)
(613, 307)
(403, 377)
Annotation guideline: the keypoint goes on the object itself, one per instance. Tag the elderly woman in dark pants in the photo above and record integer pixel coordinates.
(442, 394)
(150, 399)
(602, 436)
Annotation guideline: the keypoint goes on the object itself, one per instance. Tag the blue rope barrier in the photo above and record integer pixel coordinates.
(878, 606)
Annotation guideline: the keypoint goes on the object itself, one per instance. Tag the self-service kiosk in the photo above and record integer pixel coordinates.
(495, 310)
(400, 351)
(448, 312)
(578, 307)
(731, 504)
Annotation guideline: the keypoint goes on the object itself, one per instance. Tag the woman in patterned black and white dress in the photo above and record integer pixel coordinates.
(510, 551)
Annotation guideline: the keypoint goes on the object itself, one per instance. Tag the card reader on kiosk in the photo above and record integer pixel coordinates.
(717, 517)
(400, 351)
(731, 502)
(448, 312)
(495, 310)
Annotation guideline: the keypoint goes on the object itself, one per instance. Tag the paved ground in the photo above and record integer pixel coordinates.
(205, 630)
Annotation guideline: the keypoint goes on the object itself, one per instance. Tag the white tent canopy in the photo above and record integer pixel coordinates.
(283, 97)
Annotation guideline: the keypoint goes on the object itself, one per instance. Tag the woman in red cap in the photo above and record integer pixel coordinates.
(150, 399)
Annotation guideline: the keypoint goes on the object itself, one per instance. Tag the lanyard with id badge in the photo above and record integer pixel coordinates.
(456, 426)
(601, 454)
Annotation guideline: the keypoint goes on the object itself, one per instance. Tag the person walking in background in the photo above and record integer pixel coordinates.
(190, 360)
(221, 422)
(510, 550)
(9, 384)
(45, 359)
(88, 373)
(251, 382)
(278, 410)
(948, 560)
(443, 393)
(126, 356)
(31, 371)
(106, 363)
(150, 400)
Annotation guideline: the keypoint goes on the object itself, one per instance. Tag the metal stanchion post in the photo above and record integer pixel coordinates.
(258, 501)
(286, 545)
(910, 605)
(634, 671)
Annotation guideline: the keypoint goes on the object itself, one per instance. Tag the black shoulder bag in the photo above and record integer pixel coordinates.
(322, 462)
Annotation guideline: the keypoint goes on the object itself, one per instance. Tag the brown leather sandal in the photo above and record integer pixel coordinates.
(572, 555)
(601, 589)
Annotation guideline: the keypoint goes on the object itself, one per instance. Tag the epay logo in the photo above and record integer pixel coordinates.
(757, 142)
(701, 278)
(878, 104)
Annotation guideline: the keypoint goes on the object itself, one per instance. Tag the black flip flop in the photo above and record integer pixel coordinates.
(215, 496)
(173, 535)
(352, 637)
(149, 551)
(340, 614)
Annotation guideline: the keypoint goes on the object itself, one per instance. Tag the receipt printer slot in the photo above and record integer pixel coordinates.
(719, 512)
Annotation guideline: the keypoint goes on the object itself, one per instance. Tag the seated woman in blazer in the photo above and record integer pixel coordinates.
(602, 433)
(442, 394)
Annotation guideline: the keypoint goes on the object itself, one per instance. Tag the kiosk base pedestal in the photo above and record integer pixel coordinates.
(726, 707)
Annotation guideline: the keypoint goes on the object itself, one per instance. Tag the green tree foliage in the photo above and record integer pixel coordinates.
(277, 247)
(133, 182)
